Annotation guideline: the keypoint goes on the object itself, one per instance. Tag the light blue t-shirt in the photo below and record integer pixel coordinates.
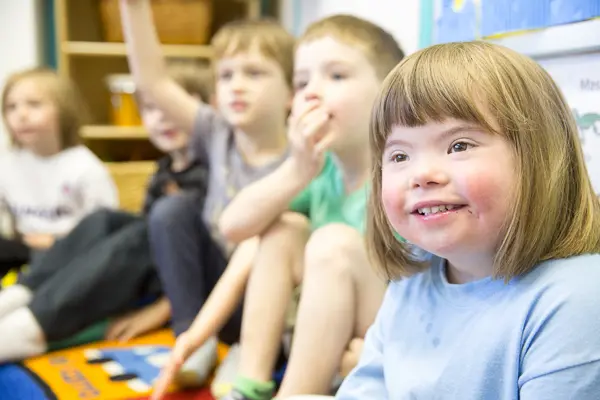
(536, 338)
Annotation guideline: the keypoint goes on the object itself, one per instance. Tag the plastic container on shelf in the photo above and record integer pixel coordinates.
(177, 21)
(123, 106)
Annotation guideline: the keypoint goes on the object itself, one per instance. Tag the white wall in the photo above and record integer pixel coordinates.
(399, 17)
(20, 44)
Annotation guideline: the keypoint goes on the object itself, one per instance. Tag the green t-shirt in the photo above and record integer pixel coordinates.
(325, 201)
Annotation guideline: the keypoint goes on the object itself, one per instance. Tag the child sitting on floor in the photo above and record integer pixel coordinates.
(477, 161)
(243, 142)
(48, 180)
(104, 266)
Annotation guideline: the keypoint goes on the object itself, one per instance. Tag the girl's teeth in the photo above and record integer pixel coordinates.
(435, 209)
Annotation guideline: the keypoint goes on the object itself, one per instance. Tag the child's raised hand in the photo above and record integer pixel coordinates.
(308, 137)
(182, 350)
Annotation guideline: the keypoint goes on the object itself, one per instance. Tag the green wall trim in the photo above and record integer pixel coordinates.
(426, 23)
(49, 34)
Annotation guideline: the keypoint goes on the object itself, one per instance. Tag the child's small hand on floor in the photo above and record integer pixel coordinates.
(139, 322)
(351, 356)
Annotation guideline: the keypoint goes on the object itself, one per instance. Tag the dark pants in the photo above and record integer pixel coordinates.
(103, 267)
(189, 262)
(13, 254)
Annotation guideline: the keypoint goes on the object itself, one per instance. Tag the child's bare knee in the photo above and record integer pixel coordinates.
(288, 224)
(336, 247)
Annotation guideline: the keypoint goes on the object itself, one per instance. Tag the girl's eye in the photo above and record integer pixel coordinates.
(459, 146)
(338, 76)
(399, 157)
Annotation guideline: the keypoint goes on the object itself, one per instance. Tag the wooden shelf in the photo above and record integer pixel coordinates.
(108, 132)
(103, 49)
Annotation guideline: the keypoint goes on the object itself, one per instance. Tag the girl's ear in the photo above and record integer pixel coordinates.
(213, 101)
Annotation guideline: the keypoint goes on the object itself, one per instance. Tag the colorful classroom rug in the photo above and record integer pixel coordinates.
(102, 370)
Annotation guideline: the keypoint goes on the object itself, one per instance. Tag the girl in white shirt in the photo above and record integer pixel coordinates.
(48, 180)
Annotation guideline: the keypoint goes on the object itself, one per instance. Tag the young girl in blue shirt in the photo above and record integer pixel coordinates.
(477, 163)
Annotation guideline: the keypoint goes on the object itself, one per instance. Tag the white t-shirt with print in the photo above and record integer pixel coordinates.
(50, 195)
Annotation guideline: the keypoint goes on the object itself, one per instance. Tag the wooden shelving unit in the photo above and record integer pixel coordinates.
(99, 49)
(107, 132)
(84, 56)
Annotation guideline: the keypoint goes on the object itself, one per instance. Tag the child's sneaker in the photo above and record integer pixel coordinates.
(235, 395)
(226, 373)
(196, 370)
(248, 389)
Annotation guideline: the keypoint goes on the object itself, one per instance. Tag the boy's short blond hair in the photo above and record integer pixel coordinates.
(265, 35)
(379, 46)
(555, 213)
(70, 106)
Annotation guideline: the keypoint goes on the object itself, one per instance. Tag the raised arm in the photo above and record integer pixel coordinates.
(148, 65)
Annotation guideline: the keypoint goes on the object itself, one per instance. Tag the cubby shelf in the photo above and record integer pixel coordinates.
(103, 49)
(110, 132)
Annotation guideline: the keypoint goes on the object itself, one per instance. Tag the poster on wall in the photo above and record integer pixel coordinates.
(579, 79)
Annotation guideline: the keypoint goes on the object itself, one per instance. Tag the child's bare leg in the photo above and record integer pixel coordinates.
(277, 270)
(340, 297)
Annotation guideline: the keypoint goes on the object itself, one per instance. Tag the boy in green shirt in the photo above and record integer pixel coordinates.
(325, 200)
(339, 66)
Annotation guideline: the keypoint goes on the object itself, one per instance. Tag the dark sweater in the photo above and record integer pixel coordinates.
(194, 178)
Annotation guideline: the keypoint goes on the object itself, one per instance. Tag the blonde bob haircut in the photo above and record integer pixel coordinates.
(555, 212)
(70, 106)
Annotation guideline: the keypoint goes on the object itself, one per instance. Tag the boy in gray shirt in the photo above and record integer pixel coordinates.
(243, 142)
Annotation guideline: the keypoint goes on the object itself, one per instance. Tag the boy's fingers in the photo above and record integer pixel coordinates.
(323, 144)
(114, 331)
(305, 108)
(298, 126)
(313, 130)
(163, 382)
(128, 334)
